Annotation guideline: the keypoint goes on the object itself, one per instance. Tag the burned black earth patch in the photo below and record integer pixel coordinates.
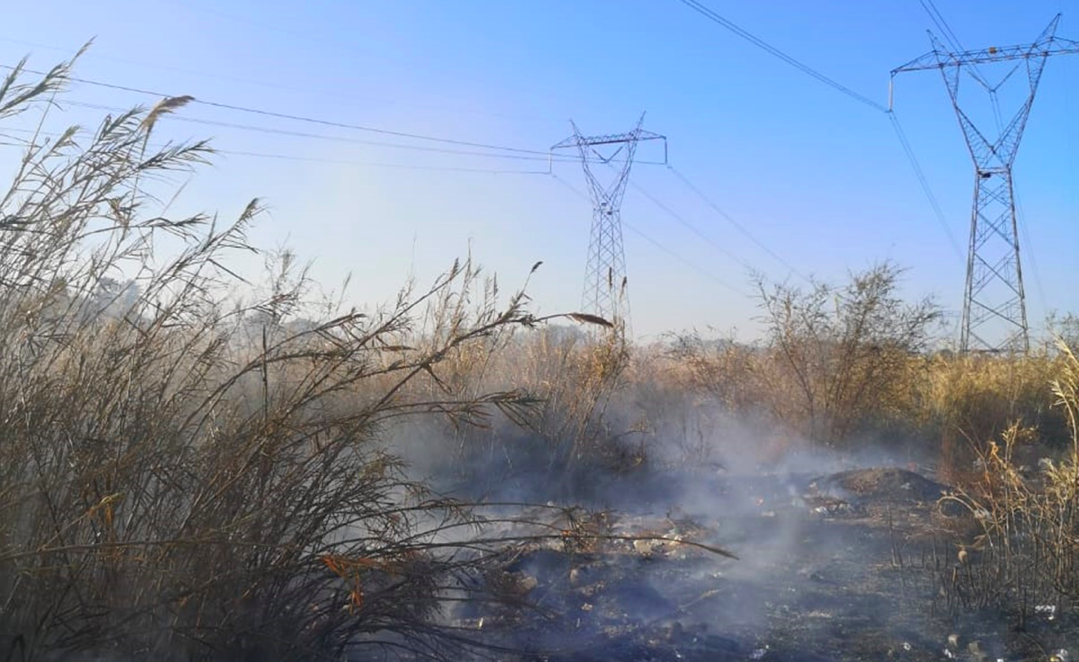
(811, 582)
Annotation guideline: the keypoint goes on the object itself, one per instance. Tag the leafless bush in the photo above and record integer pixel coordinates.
(845, 352)
(837, 361)
(727, 371)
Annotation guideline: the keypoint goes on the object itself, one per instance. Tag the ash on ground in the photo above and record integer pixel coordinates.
(829, 567)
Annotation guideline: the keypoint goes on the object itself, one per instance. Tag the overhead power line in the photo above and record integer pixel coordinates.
(340, 139)
(772, 50)
(738, 226)
(953, 42)
(514, 153)
(635, 230)
(1025, 231)
(292, 117)
(377, 164)
(942, 25)
(300, 158)
(690, 226)
(924, 182)
(1068, 135)
(908, 150)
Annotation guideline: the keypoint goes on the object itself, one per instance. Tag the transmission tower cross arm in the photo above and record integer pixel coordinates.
(609, 139)
(1047, 44)
(935, 60)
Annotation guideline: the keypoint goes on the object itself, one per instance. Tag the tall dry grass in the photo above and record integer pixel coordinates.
(968, 401)
(187, 471)
(1026, 522)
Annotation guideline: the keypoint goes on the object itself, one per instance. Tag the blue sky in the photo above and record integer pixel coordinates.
(818, 178)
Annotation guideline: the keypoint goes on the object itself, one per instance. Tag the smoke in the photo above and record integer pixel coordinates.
(693, 472)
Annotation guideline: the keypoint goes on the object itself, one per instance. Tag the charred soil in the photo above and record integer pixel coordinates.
(844, 566)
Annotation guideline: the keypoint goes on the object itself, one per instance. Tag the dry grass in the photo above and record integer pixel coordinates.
(560, 428)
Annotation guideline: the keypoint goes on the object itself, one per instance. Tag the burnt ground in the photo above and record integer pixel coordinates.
(836, 567)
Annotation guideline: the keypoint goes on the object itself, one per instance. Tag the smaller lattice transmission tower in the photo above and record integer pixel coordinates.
(605, 281)
(994, 304)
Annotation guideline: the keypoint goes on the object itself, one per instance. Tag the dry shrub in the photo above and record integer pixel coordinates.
(728, 372)
(838, 363)
(844, 354)
(733, 388)
(842, 365)
(588, 374)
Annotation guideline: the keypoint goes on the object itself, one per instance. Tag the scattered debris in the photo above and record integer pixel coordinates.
(646, 548)
(828, 506)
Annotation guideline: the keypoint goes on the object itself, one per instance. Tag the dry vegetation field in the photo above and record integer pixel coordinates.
(193, 466)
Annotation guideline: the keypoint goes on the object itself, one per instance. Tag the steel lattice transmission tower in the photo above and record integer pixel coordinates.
(994, 301)
(605, 279)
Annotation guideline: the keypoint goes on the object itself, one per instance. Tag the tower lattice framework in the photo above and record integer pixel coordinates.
(994, 303)
(605, 280)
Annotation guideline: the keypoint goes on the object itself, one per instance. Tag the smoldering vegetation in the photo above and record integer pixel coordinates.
(198, 467)
(862, 542)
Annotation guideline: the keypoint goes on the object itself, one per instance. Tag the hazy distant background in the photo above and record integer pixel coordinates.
(818, 178)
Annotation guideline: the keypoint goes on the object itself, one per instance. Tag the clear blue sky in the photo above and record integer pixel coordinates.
(817, 177)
